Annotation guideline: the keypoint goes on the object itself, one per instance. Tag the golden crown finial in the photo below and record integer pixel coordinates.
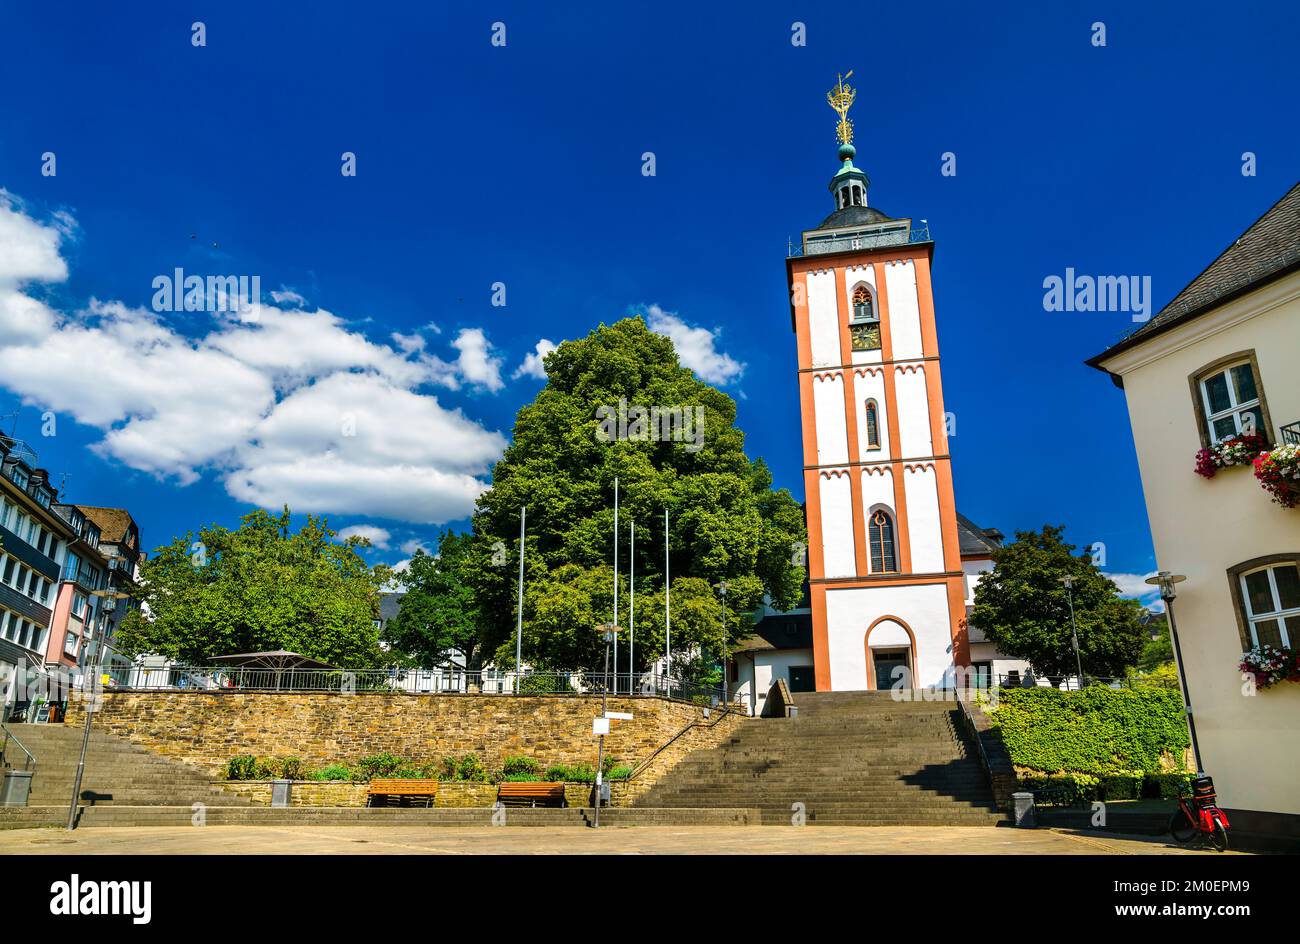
(841, 99)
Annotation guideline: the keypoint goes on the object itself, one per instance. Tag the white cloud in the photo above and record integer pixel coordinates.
(29, 252)
(476, 362)
(289, 296)
(1134, 586)
(377, 536)
(696, 347)
(532, 365)
(287, 406)
(414, 544)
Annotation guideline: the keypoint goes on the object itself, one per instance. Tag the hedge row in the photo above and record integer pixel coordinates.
(1095, 731)
(1131, 785)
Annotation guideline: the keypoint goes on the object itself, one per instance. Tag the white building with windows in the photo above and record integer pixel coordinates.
(1222, 359)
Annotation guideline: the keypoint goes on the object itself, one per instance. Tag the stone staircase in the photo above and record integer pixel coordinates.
(851, 758)
(117, 772)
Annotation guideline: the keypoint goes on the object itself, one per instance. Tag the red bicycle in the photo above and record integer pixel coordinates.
(1199, 815)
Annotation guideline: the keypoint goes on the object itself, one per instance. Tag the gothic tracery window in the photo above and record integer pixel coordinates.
(881, 535)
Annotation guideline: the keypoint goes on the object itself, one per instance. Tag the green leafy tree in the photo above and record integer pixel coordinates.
(439, 611)
(1159, 650)
(726, 521)
(1024, 609)
(258, 588)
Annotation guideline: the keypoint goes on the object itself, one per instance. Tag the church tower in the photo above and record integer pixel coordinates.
(884, 560)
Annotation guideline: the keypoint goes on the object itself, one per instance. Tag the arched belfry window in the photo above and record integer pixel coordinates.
(873, 425)
(864, 324)
(884, 559)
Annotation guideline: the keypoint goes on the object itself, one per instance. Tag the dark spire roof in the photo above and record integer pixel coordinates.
(854, 216)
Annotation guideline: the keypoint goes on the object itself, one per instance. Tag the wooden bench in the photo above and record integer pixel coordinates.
(530, 794)
(401, 792)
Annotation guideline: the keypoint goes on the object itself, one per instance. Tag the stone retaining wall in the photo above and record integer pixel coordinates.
(206, 729)
(451, 794)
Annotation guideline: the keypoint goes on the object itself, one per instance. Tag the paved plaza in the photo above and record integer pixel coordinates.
(641, 840)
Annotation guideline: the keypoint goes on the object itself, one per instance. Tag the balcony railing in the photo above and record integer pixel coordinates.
(849, 242)
(1291, 434)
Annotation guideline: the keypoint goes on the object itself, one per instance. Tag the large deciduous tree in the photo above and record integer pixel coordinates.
(439, 613)
(258, 588)
(1024, 609)
(725, 520)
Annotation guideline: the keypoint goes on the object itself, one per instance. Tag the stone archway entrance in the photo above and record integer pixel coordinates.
(891, 654)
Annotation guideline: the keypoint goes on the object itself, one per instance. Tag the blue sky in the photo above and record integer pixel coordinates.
(522, 164)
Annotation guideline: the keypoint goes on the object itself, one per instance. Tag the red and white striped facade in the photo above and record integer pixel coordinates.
(895, 461)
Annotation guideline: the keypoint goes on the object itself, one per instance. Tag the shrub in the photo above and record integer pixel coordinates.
(381, 765)
(1121, 786)
(332, 772)
(1167, 786)
(1074, 788)
(517, 778)
(1097, 730)
(465, 768)
(471, 768)
(241, 767)
(576, 773)
(544, 685)
(519, 765)
(621, 772)
(292, 768)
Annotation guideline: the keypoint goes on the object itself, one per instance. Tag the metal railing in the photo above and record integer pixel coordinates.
(1067, 683)
(415, 681)
(1291, 434)
(28, 763)
(916, 233)
(972, 729)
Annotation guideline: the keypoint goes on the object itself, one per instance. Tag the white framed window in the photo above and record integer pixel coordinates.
(70, 644)
(79, 605)
(1232, 402)
(1271, 598)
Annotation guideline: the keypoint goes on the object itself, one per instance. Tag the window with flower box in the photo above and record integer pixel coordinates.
(1266, 592)
(1228, 397)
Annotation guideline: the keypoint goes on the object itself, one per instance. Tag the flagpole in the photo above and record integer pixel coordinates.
(615, 588)
(519, 619)
(631, 612)
(668, 638)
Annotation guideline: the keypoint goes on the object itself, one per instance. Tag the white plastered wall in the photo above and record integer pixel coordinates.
(904, 312)
(823, 319)
(828, 412)
(925, 535)
(923, 607)
(837, 525)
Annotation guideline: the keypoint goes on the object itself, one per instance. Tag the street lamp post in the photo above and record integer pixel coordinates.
(1074, 629)
(1167, 582)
